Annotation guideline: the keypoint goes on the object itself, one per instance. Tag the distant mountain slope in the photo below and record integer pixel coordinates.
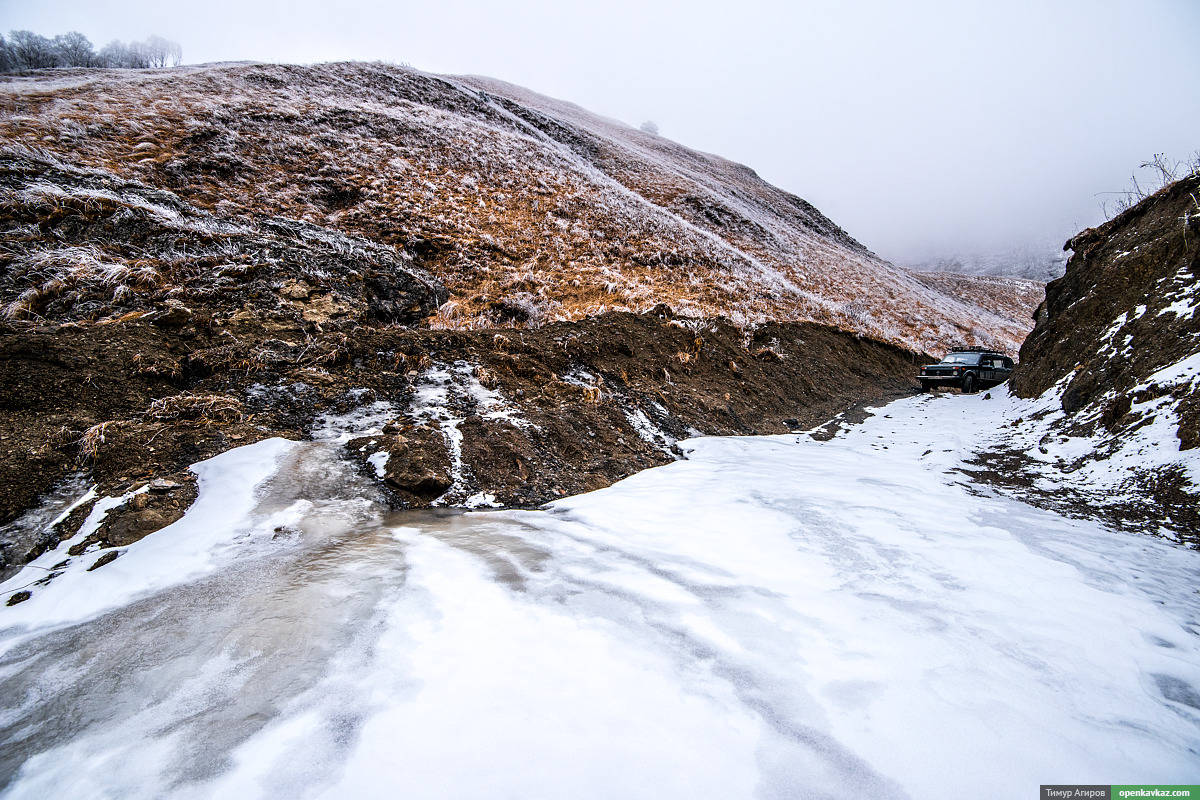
(1008, 298)
(1037, 263)
(527, 209)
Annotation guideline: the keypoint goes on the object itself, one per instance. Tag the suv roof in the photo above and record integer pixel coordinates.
(965, 349)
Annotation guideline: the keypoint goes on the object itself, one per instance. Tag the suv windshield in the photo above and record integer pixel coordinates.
(971, 359)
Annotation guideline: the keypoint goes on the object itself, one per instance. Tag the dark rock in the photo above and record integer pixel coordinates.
(129, 528)
(19, 597)
(175, 316)
(1115, 411)
(418, 467)
(296, 290)
(107, 558)
(391, 300)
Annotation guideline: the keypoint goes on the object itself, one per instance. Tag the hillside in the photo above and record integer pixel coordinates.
(1110, 374)
(526, 208)
(366, 433)
(489, 297)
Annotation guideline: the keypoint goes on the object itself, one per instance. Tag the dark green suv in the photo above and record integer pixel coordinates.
(967, 368)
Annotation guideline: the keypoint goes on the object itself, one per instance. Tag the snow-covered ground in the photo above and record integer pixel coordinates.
(772, 617)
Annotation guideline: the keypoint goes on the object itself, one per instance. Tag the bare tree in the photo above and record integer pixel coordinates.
(1165, 171)
(651, 127)
(114, 54)
(31, 51)
(74, 50)
(1166, 168)
(159, 52)
(138, 57)
(27, 50)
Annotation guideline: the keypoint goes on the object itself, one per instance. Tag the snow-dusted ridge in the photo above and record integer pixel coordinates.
(536, 209)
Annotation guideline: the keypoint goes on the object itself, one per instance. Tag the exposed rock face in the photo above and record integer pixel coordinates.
(146, 513)
(415, 464)
(1117, 348)
(523, 416)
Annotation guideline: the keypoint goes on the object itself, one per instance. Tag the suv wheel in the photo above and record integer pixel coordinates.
(968, 384)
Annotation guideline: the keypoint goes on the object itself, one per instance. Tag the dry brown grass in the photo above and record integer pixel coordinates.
(92, 438)
(204, 409)
(226, 357)
(486, 377)
(516, 218)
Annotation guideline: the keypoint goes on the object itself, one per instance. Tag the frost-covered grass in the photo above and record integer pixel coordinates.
(83, 244)
(50, 273)
(538, 210)
(774, 616)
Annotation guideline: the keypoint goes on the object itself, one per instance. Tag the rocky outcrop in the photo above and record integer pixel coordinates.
(1126, 307)
(416, 464)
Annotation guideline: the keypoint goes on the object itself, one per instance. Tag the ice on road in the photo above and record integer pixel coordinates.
(773, 617)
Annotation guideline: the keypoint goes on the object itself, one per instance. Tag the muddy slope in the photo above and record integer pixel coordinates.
(500, 417)
(414, 270)
(1135, 269)
(1115, 346)
(145, 333)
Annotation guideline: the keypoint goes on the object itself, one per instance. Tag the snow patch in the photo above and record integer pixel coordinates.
(775, 616)
(482, 500)
(649, 432)
(379, 462)
(173, 555)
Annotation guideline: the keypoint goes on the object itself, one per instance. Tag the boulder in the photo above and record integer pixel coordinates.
(415, 462)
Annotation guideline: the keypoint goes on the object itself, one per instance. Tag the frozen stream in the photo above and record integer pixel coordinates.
(775, 617)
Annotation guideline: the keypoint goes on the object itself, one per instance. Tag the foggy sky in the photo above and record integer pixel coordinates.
(922, 128)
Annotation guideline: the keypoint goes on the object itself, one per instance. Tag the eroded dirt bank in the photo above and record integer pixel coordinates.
(1115, 355)
(510, 417)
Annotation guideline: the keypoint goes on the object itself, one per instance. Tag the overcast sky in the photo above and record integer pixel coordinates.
(920, 127)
